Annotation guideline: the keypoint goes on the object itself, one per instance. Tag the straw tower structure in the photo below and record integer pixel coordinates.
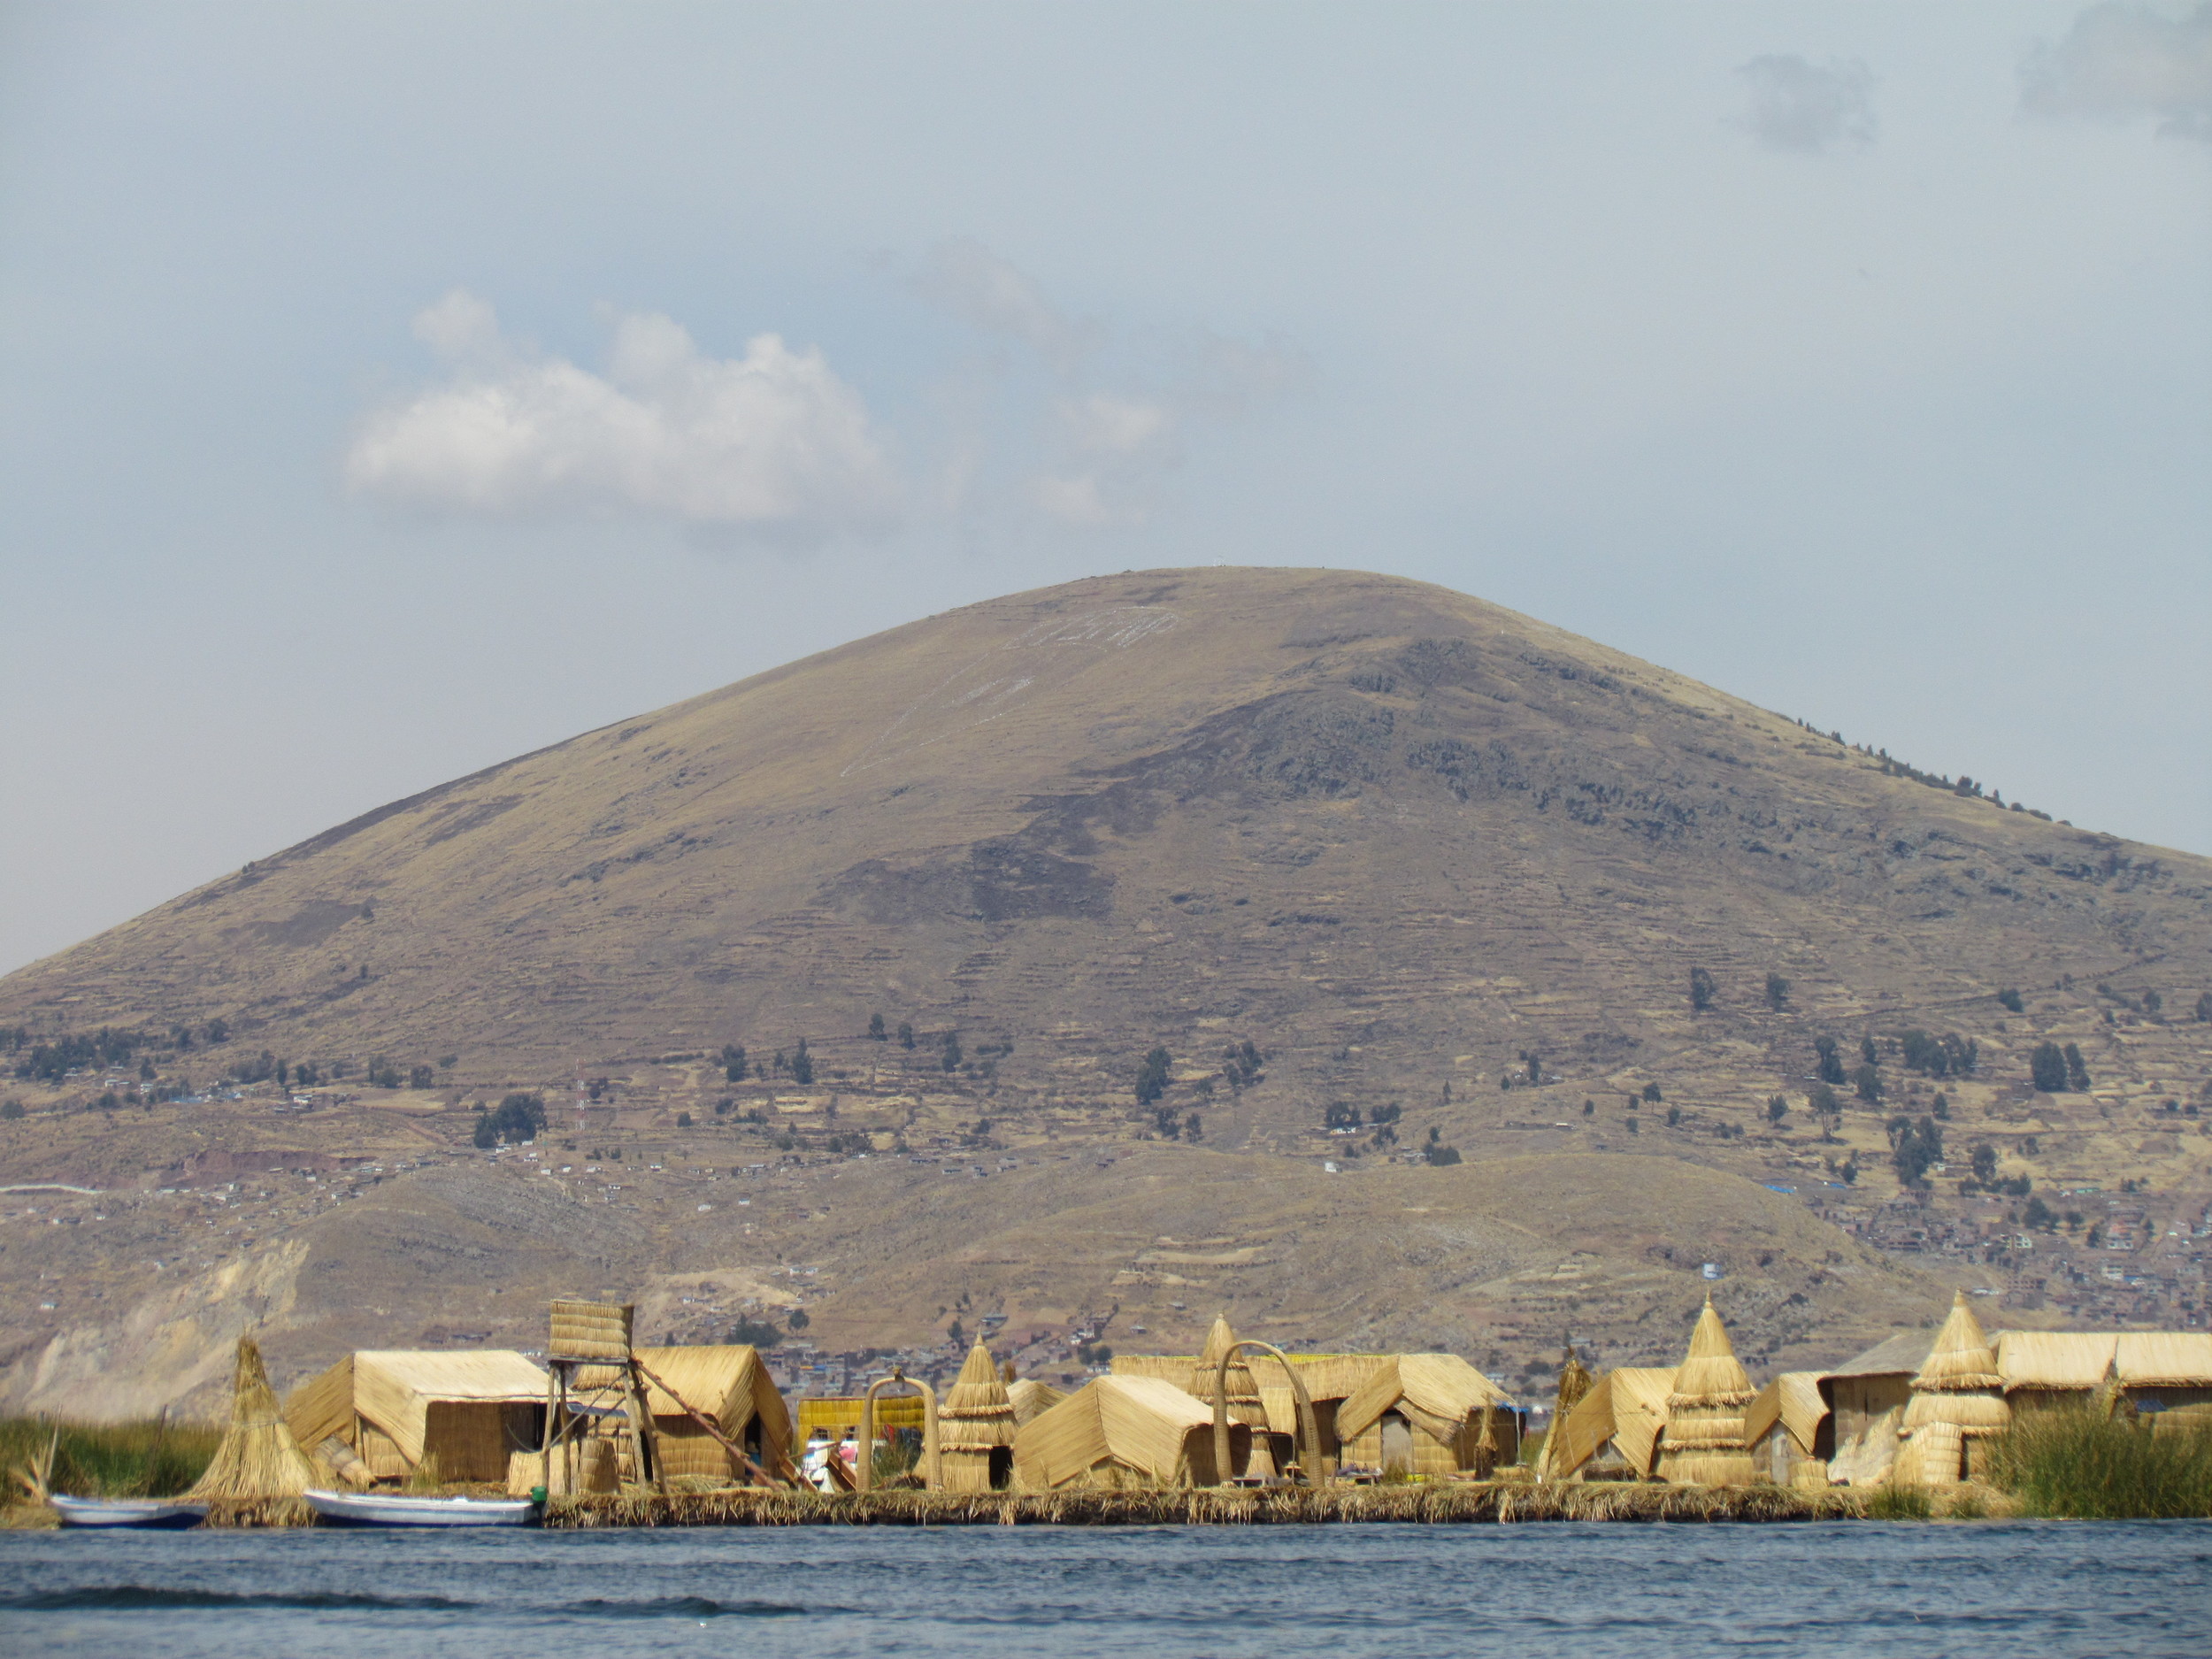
(1704, 1443)
(1245, 1404)
(976, 1420)
(258, 1457)
(1958, 1402)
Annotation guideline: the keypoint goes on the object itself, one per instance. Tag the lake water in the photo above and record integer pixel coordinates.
(1587, 1591)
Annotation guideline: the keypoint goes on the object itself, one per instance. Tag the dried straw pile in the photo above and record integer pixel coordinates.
(975, 1427)
(258, 1458)
(1705, 1444)
(1958, 1403)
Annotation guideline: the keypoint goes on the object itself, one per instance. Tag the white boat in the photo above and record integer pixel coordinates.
(375, 1508)
(169, 1512)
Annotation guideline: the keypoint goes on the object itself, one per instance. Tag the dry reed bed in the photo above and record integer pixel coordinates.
(1498, 1502)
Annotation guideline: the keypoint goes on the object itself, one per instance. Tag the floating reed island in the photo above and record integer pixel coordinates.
(605, 1434)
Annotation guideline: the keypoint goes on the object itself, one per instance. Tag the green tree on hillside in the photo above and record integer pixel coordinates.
(1831, 1061)
(1152, 1077)
(2011, 1000)
(1777, 991)
(2077, 1070)
(801, 1064)
(2048, 1067)
(875, 1028)
(1700, 990)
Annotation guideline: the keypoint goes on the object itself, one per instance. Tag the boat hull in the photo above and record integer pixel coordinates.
(357, 1508)
(156, 1514)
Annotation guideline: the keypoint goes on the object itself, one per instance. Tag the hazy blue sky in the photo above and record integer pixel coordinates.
(386, 390)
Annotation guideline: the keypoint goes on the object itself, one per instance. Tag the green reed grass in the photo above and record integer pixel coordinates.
(2078, 1464)
(1887, 1503)
(144, 1459)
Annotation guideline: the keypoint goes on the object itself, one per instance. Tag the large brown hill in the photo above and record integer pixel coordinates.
(1404, 843)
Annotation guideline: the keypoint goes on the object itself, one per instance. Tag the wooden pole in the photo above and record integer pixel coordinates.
(713, 1429)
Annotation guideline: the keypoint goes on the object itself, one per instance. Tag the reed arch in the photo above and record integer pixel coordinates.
(1308, 1425)
(864, 1468)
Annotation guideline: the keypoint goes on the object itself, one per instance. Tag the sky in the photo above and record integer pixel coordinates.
(387, 389)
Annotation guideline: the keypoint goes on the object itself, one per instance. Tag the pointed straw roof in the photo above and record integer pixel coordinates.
(1245, 1404)
(1962, 1360)
(258, 1458)
(977, 1414)
(1704, 1443)
(1711, 1375)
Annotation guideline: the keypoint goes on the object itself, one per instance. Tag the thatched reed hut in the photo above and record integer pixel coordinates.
(1427, 1414)
(1867, 1395)
(1957, 1404)
(975, 1428)
(726, 1383)
(838, 1415)
(1120, 1431)
(1704, 1443)
(1614, 1432)
(259, 1455)
(1031, 1398)
(454, 1416)
(1784, 1428)
(2167, 1370)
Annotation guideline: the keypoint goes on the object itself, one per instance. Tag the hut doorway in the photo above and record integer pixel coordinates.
(1002, 1467)
(1397, 1443)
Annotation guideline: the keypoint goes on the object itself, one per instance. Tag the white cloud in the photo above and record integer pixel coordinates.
(2122, 61)
(1808, 107)
(772, 443)
(974, 284)
(1116, 409)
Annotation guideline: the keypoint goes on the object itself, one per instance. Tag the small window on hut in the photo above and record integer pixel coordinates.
(1002, 1467)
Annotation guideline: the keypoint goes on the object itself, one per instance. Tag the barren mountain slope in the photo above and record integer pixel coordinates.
(1409, 846)
(1315, 806)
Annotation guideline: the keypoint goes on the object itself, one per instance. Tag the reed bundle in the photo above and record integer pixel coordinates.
(1437, 1503)
(258, 1458)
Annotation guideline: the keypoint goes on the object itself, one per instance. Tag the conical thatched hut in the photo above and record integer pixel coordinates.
(975, 1428)
(1122, 1432)
(1031, 1398)
(258, 1457)
(1957, 1404)
(1705, 1444)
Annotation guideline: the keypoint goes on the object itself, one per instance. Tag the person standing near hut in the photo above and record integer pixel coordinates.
(1704, 1444)
(1958, 1402)
(975, 1428)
